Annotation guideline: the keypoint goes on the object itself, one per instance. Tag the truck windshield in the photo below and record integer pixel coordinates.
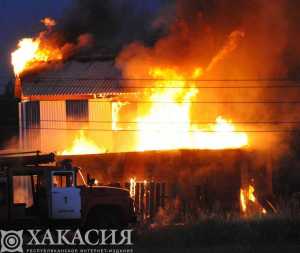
(62, 179)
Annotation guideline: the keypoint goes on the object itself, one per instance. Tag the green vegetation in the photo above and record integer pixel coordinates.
(220, 235)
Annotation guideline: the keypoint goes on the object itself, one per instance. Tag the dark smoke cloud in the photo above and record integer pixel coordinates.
(201, 27)
(265, 24)
(270, 47)
(114, 23)
(292, 51)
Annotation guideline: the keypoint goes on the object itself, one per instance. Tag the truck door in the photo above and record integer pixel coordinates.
(65, 196)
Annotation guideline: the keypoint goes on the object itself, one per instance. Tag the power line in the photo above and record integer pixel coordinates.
(194, 102)
(173, 122)
(166, 79)
(296, 86)
(151, 130)
(155, 130)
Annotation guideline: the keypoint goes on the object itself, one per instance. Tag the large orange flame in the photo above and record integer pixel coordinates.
(167, 125)
(47, 47)
(31, 51)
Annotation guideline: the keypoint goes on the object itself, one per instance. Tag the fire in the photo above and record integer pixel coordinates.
(132, 187)
(243, 200)
(249, 202)
(48, 22)
(47, 47)
(251, 193)
(24, 54)
(82, 145)
(116, 106)
(167, 124)
(221, 135)
(33, 51)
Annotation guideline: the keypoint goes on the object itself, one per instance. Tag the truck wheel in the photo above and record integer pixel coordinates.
(104, 218)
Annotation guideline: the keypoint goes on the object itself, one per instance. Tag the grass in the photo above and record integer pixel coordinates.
(269, 248)
(220, 235)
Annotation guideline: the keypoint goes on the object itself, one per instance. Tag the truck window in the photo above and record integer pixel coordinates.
(62, 180)
(22, 190)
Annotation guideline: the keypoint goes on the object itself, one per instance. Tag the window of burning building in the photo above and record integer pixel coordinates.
(30, 124)
(77, 110)
(32, 114)
(62, 180)
(77, 115)
(22, 190)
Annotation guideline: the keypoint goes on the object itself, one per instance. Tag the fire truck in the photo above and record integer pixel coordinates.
(34, 189)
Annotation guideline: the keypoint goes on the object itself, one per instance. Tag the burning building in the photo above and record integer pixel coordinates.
(134, 102)
(145, 99)
(71, 105)
(83, 115)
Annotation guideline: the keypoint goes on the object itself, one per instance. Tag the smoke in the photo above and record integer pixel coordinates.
(113, 23)
(292, 51)
(198, 28)
(229, 40)
(233, 40)
(201, 29)
(90, 28)
(55, 39)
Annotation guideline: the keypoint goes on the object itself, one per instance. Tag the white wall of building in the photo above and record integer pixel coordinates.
(52, 122)
(56, 130)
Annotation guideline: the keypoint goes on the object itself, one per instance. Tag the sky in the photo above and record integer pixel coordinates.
(21, 18)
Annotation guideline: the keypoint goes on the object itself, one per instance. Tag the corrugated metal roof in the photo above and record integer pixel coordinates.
(71, 87)
(75, 78)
